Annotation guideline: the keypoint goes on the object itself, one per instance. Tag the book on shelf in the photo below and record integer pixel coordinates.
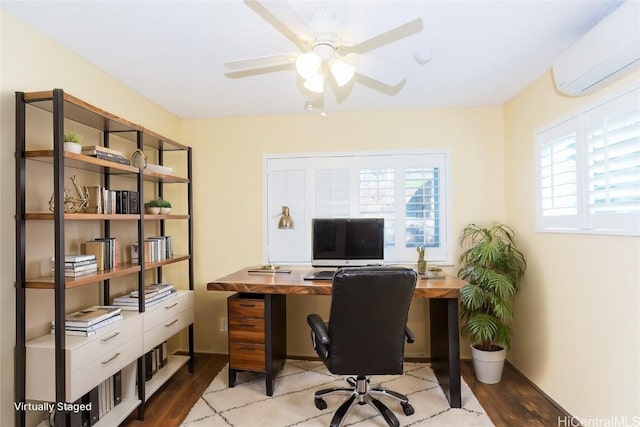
(77, 273)
(100, 149)
(156, 248)
(94, 199)
(109, 157)
(90, 316)
(129, 303)
(87, 330)
(98, 251)
(76, 268)
(75, 258)
(133, 300)
(153, 289)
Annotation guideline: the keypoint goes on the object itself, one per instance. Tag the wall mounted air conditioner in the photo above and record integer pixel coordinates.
(609, 51)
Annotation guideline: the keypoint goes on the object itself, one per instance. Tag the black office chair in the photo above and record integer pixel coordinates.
(365, 335)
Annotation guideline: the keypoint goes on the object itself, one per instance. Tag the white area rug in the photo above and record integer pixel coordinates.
(247, 405)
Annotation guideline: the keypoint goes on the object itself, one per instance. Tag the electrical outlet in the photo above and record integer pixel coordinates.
(223, 324)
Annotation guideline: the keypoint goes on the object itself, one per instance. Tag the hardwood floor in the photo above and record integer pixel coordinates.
(512, 402)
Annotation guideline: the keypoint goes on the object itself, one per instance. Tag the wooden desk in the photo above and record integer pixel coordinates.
(443, 297)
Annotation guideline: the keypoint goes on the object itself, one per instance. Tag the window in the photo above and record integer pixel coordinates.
(589, 169)
(407, 190)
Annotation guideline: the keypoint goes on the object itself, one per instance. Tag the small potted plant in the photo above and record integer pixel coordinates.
(157, 206)
(72, 143)
(492, 266)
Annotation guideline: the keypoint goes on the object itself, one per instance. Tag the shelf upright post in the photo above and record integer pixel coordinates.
(19, 357)
(161, 195)
(141, 299)
(58, 220)
(106, 291)
(190, 245)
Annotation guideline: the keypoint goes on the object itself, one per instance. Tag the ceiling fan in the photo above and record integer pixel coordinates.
(323, 51)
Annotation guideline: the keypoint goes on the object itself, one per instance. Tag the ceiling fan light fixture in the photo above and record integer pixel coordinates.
(341, 71)
(315, 83)
(308, 64)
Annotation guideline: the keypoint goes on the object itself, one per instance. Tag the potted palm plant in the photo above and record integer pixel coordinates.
(492, 265)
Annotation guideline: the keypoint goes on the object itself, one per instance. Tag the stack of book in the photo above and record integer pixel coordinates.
(104, 153)
(101, 200)
(88, 321)
(153, 294)
(76, 265)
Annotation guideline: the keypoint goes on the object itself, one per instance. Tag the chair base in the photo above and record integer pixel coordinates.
(362, 393)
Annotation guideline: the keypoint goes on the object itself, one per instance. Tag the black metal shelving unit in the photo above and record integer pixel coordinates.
(64, 107)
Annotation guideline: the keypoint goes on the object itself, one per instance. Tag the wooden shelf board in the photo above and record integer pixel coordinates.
(176, 258)
(48, 282)
(81, 216)
(170, 216)
(82, 112)
(81, 161)
(93, 164)
(123, 269)
(48, 216)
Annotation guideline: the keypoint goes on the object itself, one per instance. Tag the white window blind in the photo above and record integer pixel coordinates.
(407, 190)
(589, 169)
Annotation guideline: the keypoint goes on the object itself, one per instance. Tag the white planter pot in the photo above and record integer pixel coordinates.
(72, 147)
(152, 211)
(165, 211)
(488, 365)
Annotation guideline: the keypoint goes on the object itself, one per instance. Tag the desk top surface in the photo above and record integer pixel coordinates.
(293, 283)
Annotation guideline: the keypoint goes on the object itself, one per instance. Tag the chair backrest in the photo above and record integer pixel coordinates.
(367, 319)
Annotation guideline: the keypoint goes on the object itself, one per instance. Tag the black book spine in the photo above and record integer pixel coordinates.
(134, 202)
(148, 365)
(117, 388)
(93, 398)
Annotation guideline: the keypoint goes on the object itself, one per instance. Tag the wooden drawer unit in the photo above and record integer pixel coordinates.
(257, 335)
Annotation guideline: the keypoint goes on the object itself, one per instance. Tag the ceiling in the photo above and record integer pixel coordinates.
(173, 52)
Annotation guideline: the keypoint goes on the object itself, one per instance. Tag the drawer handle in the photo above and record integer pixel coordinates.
(111, 359)
(110, 337)
(171, 306)
(247, 325)
(171, 323)
(247, 348)
(247, 305)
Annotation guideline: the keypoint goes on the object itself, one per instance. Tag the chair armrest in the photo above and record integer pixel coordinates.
(410, 336)
(319, 328)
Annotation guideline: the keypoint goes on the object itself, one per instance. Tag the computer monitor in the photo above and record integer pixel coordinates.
(340, 242)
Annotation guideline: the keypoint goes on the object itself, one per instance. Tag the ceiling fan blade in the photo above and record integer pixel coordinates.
(250, 72)
(285, 19)
(262, 61)
(377, 70)
(389, 36)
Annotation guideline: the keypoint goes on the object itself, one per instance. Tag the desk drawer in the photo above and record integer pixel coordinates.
(247, 357)
(246, 330)
(241, 306)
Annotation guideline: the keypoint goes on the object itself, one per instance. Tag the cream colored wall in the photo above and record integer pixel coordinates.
(577, 326)
(228, 190)
(30, 62)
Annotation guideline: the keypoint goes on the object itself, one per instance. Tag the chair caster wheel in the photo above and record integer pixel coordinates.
(407, 409)
(320, 403)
